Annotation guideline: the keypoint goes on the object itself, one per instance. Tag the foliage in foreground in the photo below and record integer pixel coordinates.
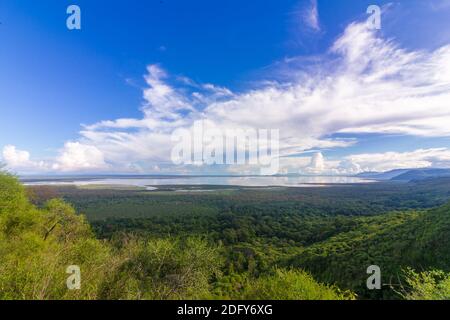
(427, 285)
(393, 241)
(38, 244)
(292, 285)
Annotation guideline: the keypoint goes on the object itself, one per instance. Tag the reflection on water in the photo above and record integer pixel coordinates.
(293, 181)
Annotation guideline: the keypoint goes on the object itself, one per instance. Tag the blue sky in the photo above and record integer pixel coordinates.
(54, 80)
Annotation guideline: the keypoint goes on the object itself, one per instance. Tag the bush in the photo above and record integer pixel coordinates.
(427, 285)
(164, 269)
(37, 245)
(291, 285)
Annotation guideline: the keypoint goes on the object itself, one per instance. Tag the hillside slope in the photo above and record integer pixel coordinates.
(421, 174)
(406, 174)
(394, 241)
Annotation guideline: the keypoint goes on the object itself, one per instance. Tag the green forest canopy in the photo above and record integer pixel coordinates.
(38, 243)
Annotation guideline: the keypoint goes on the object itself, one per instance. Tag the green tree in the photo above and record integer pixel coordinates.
(291, 285)
(37, 246)
(427, 285)
(164, 269)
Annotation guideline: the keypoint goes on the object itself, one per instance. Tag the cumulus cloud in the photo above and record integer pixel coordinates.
(18, 159)
(15, 157)
(317, 164)
(74, 157)
(363, 84)
(385, 161)
(79, 157)
(421, 158)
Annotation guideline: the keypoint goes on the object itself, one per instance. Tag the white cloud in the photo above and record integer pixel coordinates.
(79, 157)
(349, 167)
(74, 157)
(421, 158)
(317, 164)
(357, 163)
(311, 16)
(17, 159)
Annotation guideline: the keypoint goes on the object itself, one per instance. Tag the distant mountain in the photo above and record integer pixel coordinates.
(421, 174)
(388, 175)
(368, 174)
(406, 174)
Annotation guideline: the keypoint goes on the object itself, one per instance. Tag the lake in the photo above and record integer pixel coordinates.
(152, 182)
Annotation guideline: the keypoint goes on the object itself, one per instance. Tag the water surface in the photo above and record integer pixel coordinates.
(154, 182)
